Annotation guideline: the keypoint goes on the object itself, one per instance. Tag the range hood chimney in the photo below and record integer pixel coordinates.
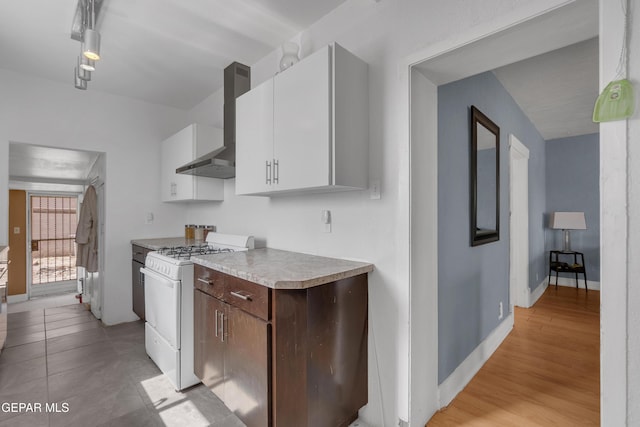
(221, 163)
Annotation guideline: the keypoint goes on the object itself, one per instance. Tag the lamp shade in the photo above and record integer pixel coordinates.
(568, 221)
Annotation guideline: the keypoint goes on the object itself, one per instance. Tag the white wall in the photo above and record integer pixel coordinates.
(619, 213)
(383, 34)
(424, 245)
(614, 245)
(40, 112)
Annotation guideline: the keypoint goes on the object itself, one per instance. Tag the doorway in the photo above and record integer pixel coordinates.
(467, 54)
(51, 182)
(518, 224)
(53, 219)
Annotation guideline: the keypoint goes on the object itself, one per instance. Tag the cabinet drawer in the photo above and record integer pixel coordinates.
(209, 281)
(139, 253)
(248, 296)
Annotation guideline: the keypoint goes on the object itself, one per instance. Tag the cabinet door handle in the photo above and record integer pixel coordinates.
(268, 172)
(222, 335)
(206, 282)
(241, 296)
(217, 323)
(276, 171)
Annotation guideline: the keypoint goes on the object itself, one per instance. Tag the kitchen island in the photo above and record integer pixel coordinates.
(281, 337)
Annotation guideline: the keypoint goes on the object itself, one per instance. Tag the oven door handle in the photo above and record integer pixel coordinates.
(163, 279)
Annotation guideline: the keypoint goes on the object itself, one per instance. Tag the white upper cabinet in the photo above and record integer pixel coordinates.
(254, 140)
(306, 129)
(185, 146)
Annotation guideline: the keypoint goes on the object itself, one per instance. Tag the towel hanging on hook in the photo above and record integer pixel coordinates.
(617, 100)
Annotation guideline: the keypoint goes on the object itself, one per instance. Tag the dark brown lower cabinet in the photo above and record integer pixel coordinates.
(209, 349)
(137, 279)
(246, 369)
(283, 357)
(232, 357)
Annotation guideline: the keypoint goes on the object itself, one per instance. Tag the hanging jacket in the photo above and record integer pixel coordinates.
(87, 232)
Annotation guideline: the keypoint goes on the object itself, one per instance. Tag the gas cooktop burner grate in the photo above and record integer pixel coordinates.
(186, 252)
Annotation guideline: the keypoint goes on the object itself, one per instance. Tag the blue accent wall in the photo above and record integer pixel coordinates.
(573, 185)
(472, 281)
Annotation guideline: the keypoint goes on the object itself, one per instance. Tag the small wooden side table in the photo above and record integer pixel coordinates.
(557, 264)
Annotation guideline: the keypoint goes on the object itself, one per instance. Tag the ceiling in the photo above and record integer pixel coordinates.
(556, 90)
(172, 52)
(169, 52)
(548, 64)
(34, 163)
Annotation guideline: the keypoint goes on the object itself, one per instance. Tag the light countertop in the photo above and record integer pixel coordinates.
(278, 269)
(162, 242)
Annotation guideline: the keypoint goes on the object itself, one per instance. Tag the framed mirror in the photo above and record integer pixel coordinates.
(485, 179)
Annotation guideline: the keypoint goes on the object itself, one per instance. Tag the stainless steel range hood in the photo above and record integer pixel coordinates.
(221, 163)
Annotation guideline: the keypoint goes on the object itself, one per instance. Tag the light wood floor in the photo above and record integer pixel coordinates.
(546, 372)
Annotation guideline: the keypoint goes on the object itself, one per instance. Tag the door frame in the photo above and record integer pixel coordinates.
(519, 293)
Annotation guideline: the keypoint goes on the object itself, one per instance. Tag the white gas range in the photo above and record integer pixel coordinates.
(169, 304)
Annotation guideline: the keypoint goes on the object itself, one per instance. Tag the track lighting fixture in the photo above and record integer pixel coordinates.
(84, 30)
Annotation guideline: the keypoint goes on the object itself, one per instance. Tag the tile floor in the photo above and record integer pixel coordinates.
(50, 301)
(94, 375)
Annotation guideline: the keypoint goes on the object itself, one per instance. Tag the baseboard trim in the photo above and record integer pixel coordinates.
(459, 379)
(17, 298)
(537, 292)
(571, 282)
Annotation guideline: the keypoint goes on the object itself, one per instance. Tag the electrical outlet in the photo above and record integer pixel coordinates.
(500, 311)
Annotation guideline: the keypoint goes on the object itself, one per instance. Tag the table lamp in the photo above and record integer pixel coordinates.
(567, 221)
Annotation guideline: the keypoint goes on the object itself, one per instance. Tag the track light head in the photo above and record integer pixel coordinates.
(91, 44)
(79, 83)
(87, 64)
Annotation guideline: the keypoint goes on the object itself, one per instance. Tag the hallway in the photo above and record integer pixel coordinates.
(97, 376)
(546, 372)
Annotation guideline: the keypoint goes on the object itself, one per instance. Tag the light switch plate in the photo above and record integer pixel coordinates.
(374, 189)
(325, 217)
(16, 230)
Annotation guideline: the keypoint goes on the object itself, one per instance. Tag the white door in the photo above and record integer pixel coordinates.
(519, 223)
(162, 305)
(301, 123)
